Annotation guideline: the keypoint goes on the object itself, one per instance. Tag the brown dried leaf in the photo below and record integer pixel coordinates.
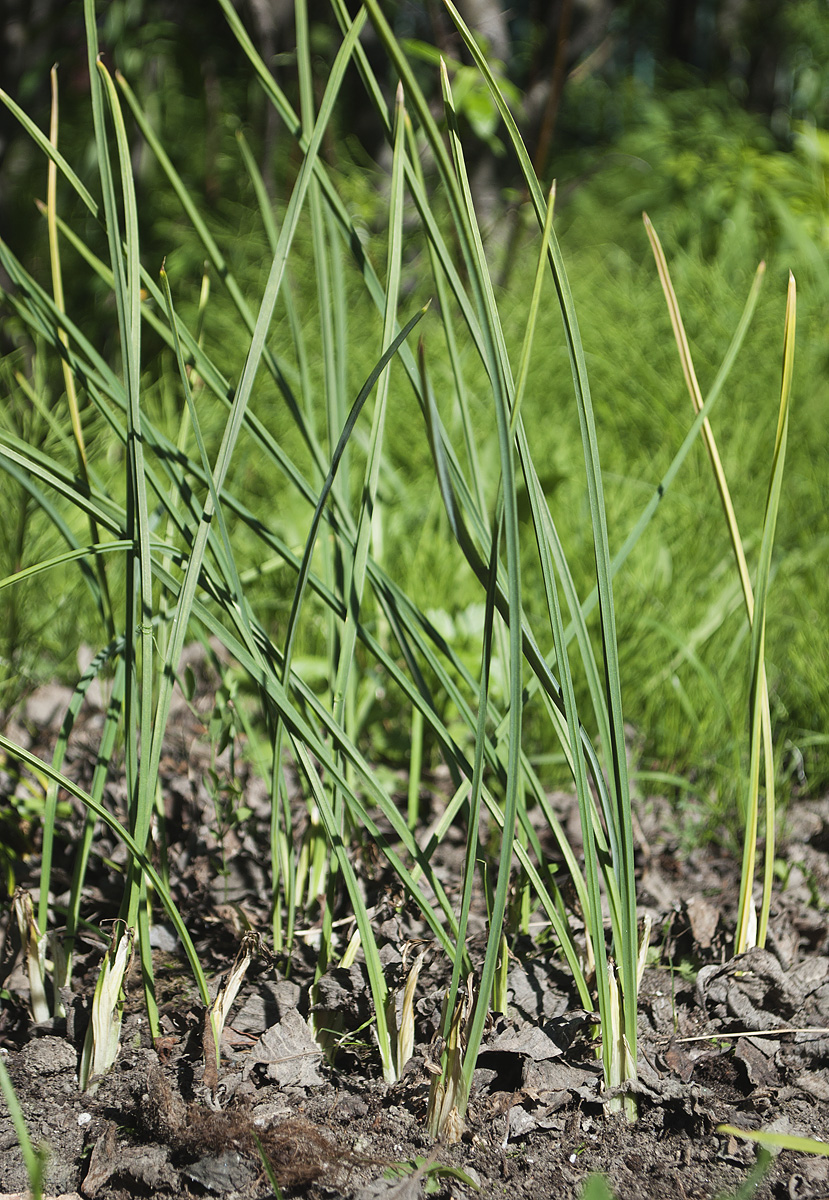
(289, 1052)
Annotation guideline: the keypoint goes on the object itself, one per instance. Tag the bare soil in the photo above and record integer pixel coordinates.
(741, 1041)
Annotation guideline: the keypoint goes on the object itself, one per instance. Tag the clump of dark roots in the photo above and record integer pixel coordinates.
(296, 1151)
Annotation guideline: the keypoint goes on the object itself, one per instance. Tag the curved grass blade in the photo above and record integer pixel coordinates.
(33, 1160)
(758, 643)
(355, 572)
(50, 150)
(780, 1141)
(501, 383)
(79, 552)
(627, 950)
(94, 806)
(139, 588)
(219, 262)
(764, 728)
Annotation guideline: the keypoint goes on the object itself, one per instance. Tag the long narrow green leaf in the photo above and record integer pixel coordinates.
(34, 763)
(356, 570)
(217, 259)
(50, 150)
(33, 1160)
(758, 643)
(746, 905)
(44, 469)
(532, 316)
(139, 572)
(58, 560)
(471, 855)
(444, 310)
(623, 867)
(140, 590)
(593, 916)
(780, 1141)
(243, 393)
(501, 382)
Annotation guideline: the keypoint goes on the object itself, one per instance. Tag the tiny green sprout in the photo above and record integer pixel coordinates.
(277, 1191)
(430, 1173)
(35, 1160)
(596, 1188)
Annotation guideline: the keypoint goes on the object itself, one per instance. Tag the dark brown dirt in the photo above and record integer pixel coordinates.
(723, 1040)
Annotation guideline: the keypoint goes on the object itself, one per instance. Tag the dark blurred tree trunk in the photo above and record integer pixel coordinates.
(272, 21)
(681, 32)
(752, 35)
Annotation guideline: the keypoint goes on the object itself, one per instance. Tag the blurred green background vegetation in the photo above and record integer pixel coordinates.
(710, 115)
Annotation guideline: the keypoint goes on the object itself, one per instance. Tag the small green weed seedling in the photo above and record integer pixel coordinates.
(427, 1175)
(34, 1160)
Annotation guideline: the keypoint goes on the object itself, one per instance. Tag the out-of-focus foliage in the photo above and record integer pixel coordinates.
(651, 115)
(713, 166)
